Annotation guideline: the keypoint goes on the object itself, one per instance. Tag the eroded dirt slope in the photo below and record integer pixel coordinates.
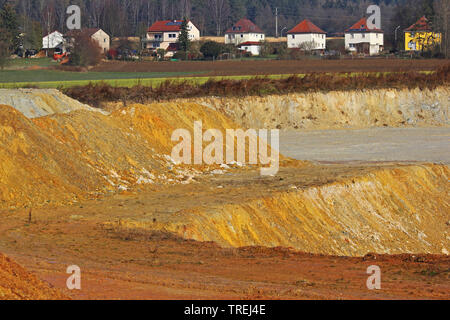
(339, 109)
(327, 210)
(18, 284)
(60, 158)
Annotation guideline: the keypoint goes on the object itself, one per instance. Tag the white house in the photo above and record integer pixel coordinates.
(244, 31)
(252, 47)
(54, 41)
(96, 34)
(360, 39)
(164, 34)
(307, 36)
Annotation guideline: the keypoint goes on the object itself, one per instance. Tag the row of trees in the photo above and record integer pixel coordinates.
(213, 17)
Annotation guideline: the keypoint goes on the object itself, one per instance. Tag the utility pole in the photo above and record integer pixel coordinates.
(396, 42)
(48, 30)
(276, 22)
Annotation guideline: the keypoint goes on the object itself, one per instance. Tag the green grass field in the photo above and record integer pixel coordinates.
(64, 79)
(18, 74)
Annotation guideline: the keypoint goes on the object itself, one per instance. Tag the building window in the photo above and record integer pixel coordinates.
(242, 35)
(353, 36)
(363, 35)
(293, 36)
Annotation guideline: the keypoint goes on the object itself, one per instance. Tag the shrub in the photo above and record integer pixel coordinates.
(94, 94)
(85, 51)
(211, 49)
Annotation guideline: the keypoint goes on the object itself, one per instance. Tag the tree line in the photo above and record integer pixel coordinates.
(133, 17)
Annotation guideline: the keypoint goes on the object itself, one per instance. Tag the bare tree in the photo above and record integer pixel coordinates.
(219, 9)
(442, 9)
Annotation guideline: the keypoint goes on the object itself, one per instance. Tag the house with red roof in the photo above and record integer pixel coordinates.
(359, 38)
(164, 34)
(244, 31)
(307, 36)
(420, 36)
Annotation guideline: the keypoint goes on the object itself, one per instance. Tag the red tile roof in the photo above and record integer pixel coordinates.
(244, 26)
(361, 26)
(306, 26)
(421, 25)
(166, 26)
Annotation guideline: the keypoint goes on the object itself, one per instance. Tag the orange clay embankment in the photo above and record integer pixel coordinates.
(61, 158)
(389, 211)
(18, 284)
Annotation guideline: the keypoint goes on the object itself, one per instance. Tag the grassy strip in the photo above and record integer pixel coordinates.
(155, 82)
(129, 83)
(52, 78)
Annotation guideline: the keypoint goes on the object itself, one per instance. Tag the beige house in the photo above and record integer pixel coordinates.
(100, 36)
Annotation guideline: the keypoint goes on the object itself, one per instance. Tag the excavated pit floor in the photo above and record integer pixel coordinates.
(122, 262)
(375, 144)
(205, 239)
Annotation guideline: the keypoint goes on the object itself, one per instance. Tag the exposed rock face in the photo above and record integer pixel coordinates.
(339, 109)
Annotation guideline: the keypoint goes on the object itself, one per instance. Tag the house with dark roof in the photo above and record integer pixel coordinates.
(420, 36)
(96, 34)
(164, 35)
(244, 31)
(359, 38)
(307, 36)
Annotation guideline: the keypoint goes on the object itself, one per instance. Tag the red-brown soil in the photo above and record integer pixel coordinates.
(122, 263)
(17, 283)
(263, 67)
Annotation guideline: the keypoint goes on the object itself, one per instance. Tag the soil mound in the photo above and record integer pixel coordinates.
(18, 284)
(61, 158)
(34, 103)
